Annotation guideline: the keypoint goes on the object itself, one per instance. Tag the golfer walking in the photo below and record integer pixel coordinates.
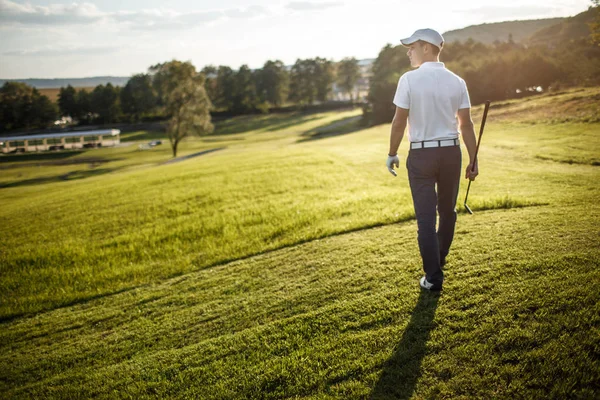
(436, 104)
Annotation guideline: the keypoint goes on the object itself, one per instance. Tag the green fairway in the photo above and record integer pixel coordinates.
(283, 263)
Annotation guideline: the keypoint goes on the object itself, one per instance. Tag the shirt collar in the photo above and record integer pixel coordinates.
(432, 64)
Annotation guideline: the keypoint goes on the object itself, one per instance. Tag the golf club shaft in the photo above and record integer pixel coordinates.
(485, 112)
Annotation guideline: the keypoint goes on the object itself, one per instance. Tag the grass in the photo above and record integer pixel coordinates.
(284, 268)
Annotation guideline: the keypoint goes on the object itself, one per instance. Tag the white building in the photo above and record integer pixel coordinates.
(60, 141)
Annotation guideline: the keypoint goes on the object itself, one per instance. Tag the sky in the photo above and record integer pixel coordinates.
(50, 39)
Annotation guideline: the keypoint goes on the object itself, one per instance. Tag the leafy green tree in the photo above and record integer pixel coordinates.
(595, 23)
(537, 70)
(43, 112)
(67, 101)
(324, 76)
(348, 72)
(22, 106)
(157, 83)
(138, 96)
(84, 106)
(186, 103)
(226, 83)
(104, 102)
(14, 97)
(210, 81)
(311, 80)
(303, 88)
(387, 68)
(272, 82)
(245, 98)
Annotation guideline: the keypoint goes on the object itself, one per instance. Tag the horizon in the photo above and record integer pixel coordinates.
(45, 40)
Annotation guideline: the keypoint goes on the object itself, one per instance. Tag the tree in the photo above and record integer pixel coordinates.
(324, 76)
(303, 88)
(272, 83)
(311, 80)
(595, 24)
(210, 81)
(186, 103)
(387, 68)
(22, 106)
(348, 75)
(13, 97)
(225, 88)
(67, 102)
(84, 106)
(43, 112)
(138, 96)
(104, 102)
(244, 97)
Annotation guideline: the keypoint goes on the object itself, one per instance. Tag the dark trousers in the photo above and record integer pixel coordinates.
(428, 168)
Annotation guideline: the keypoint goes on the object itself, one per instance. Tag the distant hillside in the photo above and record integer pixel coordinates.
(488, 33)
(75, 82)
(572, 28)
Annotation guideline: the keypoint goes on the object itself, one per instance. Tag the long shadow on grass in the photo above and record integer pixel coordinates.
(68, 303)
(143, 135)
(339, 127)
(42, 156)
(198, 154)
(493, 204)
(267, 123)
(401, 372)
(71, 176)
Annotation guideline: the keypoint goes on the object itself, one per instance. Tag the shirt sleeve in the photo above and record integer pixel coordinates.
(402, 96)
(465, 101)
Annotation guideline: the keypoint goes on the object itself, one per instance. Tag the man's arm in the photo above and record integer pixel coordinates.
(465, 126)
(398, 127)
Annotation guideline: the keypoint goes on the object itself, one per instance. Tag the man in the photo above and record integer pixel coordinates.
(432, 98)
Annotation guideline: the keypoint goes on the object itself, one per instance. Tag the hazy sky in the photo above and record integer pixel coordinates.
(49, 39)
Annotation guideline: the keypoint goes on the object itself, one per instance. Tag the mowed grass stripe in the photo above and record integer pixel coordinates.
(118, 231)
(329, 317)
(339, 317)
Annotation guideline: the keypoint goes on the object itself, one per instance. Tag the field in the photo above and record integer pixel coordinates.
(278, 259)
(52, 93)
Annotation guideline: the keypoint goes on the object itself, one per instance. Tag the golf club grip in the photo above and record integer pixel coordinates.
(485, 112)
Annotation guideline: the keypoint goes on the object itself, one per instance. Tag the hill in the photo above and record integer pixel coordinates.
(567, 30)
(541, 31)
(500, 31)
(285, 265)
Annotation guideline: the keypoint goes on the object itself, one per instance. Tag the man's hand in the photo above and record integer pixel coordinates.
(471, 175)
(397, 132)
(391, 161)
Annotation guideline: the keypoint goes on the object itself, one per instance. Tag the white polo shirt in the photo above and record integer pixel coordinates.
(433, 95)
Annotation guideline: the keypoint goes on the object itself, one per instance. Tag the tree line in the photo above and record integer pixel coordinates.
(144, 97)
(496, 72)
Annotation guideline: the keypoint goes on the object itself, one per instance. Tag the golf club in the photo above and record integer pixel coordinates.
(485, 111)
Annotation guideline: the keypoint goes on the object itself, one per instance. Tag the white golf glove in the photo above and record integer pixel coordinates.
(391, 161)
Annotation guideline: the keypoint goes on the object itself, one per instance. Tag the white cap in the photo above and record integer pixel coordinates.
(426, 35)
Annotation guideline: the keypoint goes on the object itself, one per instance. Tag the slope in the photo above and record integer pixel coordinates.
(321, 300)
